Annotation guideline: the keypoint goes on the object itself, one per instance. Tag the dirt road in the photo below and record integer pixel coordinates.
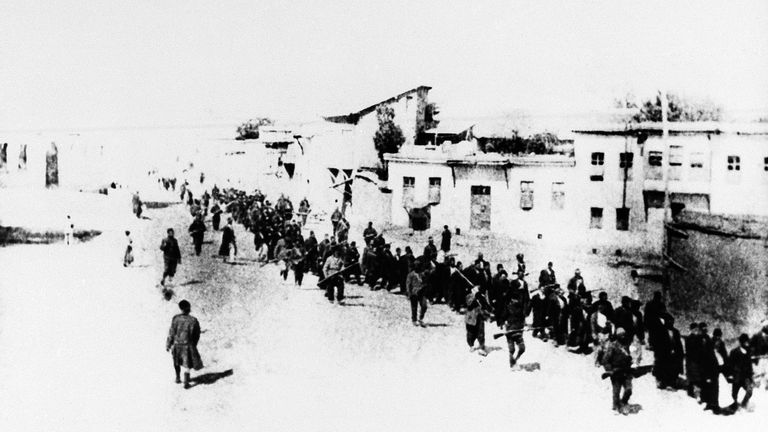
(82, 348)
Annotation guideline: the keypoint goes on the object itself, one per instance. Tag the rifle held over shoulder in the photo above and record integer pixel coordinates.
(636, 372)
(504, 333)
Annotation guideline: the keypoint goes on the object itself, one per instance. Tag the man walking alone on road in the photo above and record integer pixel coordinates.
(618, 363)
(414, 288)
(197, 231)
(228, 241)
(182, 343)
(171, 256)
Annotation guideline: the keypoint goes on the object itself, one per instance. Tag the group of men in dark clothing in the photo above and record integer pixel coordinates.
(570, 318)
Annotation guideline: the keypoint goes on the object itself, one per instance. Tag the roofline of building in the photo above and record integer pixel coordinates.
(506, 162)
(354, 117)
(678, 128)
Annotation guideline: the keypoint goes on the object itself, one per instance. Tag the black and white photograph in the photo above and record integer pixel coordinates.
(339, 215)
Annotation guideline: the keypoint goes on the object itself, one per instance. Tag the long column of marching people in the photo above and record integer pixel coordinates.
(571, 318)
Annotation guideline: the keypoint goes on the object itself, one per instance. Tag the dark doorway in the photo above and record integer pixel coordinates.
(480, 207)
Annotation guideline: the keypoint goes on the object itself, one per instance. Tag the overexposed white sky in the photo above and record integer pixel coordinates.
(101, 64)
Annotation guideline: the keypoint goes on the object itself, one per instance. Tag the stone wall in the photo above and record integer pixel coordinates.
(719, 265)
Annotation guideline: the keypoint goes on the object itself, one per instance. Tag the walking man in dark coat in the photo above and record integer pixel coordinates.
(227, 240)
(515, 311)
(654, 310)
(430, 251)
(618, 363)
(759, 345)
(369, 233)
(334, 264)
(667, 354)
(171, 256)
(477, 311)
(182, 343)
(742, 374)
(445, 241)
(414, 288)
(693, 355)
(197, 231)
(710, 371)
(547, 276)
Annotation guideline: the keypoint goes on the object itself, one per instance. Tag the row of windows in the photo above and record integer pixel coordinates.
(596, 218)
(526, 200)
(526, 192)
(655, 159)
(409, 182)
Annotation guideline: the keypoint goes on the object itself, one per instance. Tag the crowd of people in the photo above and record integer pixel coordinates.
(567, 315)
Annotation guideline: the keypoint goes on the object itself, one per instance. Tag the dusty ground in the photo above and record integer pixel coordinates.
(82, 348)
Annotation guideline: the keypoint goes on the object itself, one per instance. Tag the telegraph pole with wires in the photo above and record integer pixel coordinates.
(665, 165)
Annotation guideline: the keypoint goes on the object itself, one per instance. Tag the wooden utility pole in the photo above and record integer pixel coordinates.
(665, 165)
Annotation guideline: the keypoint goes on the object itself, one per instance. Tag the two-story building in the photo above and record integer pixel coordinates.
(611, 191)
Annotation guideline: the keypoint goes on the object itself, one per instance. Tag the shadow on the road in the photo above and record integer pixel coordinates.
(354, 305)
(145, 218)
(236, 263)
(210, 378)
(168, 294)
(353, 297)
(633, 408)
(191, 282)
(436, 325)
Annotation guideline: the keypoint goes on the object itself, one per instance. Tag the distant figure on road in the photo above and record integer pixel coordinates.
(741, 372)
(334, 264)
(228, 241)
(69, 231)
(430, 251)
(759, 345)
(342, 230)
(136, 201)
(216, 218)
(182, 343)
(369, 233)
(618, 363)
(521, 264)
(171, 256)
(445, 242)
(335, 219)
(197, 231)
(304, 210)
(547, 276)
(414, 288)
(128, 256)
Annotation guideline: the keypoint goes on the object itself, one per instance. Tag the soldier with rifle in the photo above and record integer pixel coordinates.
(617, 362)
(515, 311)
(478, 310)
(333, 267)
(369, 233)
(352, 258)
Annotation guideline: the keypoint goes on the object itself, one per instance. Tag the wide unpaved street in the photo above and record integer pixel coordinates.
(82, 348)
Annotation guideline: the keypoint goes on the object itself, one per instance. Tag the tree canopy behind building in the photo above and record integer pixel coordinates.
(250, 129)
(389, 137)
(539, 143)
(679, 109)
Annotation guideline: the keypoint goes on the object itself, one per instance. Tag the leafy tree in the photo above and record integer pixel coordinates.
(250, 129)
(678, 109)
(540, 143)
(389, 137)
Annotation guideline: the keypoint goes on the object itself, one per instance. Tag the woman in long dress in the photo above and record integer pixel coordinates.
(228, 241)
